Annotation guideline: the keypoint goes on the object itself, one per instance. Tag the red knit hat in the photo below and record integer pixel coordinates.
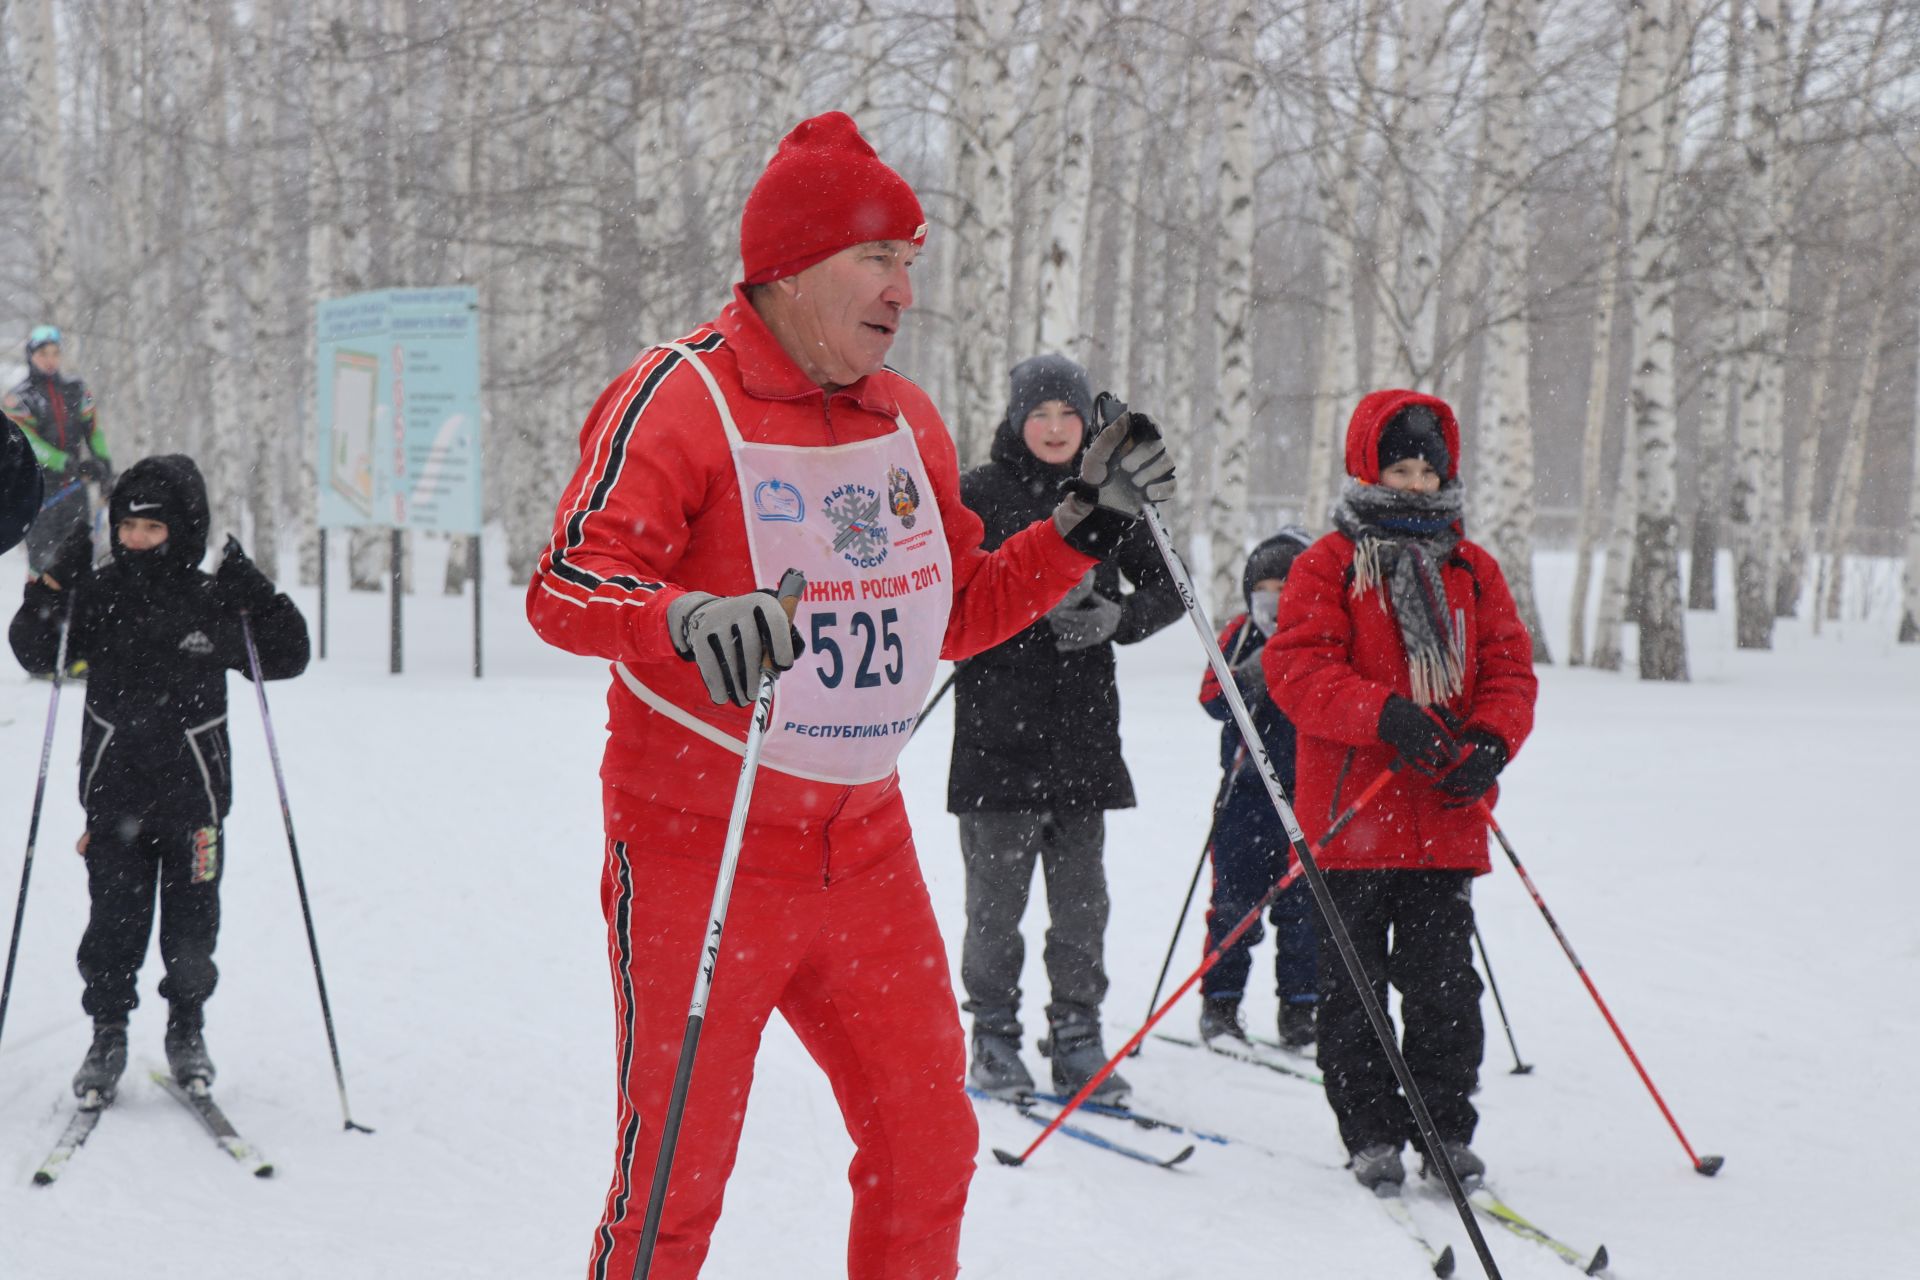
(825, 190)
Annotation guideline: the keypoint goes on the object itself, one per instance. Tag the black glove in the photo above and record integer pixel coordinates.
(90, 468)
(72, 563)
(1416, 734)
(1126, 467)
(1473, 777)
(730, 638)
(239, 580)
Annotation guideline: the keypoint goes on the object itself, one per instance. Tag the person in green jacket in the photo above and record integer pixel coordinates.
(57, 414)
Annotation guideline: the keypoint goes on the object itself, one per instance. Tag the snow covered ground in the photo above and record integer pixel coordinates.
(1734, 859)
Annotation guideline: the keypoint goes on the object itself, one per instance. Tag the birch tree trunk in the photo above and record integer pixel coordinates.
(1651, 130)
(48, 163)
(1228, 515)
(1128, 194)
(217, 182)
(1416, 292)
(1185, 256)
(1597, 522)
(1610, 619)
(1063, 256)
(1505, 415)
(1843, 507)
(1337, 153)
(1723, 337)
(1767, 264)
(984, 195)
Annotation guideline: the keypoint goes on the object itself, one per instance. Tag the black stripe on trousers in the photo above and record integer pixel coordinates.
(630, 1132)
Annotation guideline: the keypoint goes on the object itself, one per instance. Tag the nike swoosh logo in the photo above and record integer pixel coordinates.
(142, 506)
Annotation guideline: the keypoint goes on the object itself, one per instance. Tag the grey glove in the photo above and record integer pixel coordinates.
(730, 638)
(1126, 467)
(1083, 625)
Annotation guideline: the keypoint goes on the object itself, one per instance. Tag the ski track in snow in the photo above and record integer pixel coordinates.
(1732, 858)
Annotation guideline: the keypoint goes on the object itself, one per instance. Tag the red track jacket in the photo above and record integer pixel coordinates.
(654, 511)
(1335, 657)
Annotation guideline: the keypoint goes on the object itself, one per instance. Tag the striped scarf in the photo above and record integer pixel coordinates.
(1401, 542)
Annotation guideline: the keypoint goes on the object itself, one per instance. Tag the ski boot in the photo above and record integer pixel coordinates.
(996, 1068)
(106, 1059)
(1075, 1048)
(1468, 1167)
(187, 1048)
(1296, 1025)
(1220, 1017)
(1378, 1169)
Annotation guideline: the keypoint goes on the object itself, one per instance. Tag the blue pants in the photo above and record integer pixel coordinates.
(1250, 853)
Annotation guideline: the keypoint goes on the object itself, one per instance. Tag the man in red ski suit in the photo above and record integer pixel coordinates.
(770, 438)
(1397, 637)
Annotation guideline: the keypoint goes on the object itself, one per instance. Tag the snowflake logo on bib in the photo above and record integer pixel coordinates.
(859, 534)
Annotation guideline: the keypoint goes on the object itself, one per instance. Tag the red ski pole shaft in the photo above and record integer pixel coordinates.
(1705, 1165)
(1206, 963)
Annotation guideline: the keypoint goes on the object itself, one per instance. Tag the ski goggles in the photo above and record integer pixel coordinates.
(42, 335)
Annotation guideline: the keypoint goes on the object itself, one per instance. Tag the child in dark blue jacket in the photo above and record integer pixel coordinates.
(1249, 848)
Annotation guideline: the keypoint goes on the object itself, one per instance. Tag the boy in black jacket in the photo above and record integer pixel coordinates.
(159, 636)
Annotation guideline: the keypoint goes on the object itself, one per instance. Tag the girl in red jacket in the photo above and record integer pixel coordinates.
(1398, 639)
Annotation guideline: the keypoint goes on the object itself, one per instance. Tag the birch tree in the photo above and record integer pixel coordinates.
(1062, 259)
(1336, 160)
(1843, 507)
(1652, 128)
(1767, 265)
(1228, 513)
(1723, 335)
(1505, 416)
(983, 192)
(1597, 522)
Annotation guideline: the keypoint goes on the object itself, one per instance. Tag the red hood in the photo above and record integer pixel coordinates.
(1371, 416)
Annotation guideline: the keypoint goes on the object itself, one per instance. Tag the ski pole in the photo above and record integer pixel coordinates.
(299, 877)
(39, 799)
(1179, 924)
(1706, 1166)
(1207, 962)
(1519, 1068)
(934, 701)
(793, 585)
(1323, 896)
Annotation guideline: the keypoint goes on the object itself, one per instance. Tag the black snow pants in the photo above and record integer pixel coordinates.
(128, 859)
(1429, 915)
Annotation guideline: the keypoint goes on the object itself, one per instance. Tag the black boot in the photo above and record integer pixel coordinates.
(996, 1068)
(187, 1047)
(1220, 1016)
(1074, 1045)
(1296, 1025)
(106, 1060)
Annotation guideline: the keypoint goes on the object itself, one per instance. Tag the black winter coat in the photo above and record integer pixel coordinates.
(158, 645)
(1036, 729)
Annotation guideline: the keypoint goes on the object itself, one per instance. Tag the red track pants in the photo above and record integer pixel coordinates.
(859, 971)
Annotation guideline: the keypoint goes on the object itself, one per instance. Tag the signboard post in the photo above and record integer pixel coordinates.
(397, 373)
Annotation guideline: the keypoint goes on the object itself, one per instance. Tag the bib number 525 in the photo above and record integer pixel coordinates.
(862, 632)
